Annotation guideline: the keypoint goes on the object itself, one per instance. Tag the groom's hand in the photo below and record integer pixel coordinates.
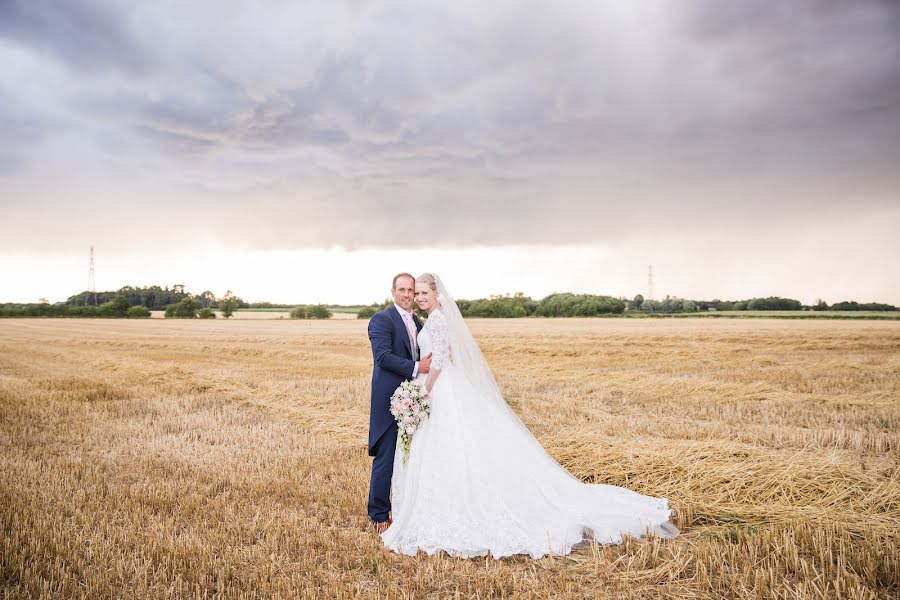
(425, 363)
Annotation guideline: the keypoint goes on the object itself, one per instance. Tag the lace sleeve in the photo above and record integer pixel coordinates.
(440, 339)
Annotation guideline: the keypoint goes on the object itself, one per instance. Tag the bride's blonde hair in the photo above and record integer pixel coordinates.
(429, 279)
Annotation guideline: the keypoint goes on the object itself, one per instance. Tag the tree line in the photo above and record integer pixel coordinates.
(137, 302)
(589, 305)
(134, 303)
(155, 297)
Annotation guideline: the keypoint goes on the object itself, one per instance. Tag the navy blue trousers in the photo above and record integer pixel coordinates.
(382, 471)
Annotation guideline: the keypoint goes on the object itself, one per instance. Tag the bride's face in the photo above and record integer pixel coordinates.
(426, 297)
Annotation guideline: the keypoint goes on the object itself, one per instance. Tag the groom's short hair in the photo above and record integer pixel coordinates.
(398, 276)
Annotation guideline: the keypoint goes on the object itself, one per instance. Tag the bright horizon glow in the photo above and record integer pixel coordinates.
(362, 277)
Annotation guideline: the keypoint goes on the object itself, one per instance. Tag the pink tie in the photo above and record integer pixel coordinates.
(411, 329)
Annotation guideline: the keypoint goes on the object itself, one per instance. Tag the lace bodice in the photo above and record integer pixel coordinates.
(435, 338)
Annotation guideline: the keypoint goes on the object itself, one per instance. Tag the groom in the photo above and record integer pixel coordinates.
(392, 333)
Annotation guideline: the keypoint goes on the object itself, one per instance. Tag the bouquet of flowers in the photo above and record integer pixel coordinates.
(411, 406)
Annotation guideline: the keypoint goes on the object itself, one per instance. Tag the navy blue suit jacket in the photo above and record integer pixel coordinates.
(394, 363)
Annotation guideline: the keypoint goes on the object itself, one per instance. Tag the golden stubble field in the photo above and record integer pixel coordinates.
(182, 459)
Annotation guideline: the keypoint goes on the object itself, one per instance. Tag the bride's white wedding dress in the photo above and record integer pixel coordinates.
(477, 480)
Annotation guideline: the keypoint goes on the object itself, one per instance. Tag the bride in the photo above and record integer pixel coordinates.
(477, 481)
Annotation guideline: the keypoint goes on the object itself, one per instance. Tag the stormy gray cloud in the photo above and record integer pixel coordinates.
(317, 124)
(86, 35)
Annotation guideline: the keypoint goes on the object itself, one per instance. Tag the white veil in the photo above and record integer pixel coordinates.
(466, 356)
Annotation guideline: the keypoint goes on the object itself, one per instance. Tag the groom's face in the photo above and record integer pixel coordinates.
(404, 291)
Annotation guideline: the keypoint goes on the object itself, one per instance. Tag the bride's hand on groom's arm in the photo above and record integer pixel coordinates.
(425, 364)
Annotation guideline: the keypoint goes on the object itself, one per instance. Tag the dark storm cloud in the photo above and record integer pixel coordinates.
(508, 125)
(813, 59)
(85, 34)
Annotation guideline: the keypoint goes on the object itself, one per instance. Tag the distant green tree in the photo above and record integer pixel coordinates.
(774, 303)
(652, 306)
(846, 305)
(153, 297)
(186, 309)
(499, 306)
(117, 307)
(319, 311)
(138, 312)
(670, 304)
(366, 312)
(578, 305)
(636, 303)
(228, 304)
(315, 311)
(706, 305)
(206, 313)
(853, 305)
(207, 299)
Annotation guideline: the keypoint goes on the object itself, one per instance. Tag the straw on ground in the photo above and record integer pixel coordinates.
(227, 459)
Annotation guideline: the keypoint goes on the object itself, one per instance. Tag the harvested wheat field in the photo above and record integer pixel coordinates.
(182, 459)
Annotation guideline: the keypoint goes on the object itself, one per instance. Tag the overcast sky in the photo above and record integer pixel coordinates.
(307, 151)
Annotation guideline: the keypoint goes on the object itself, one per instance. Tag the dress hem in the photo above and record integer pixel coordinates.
(662, 530)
